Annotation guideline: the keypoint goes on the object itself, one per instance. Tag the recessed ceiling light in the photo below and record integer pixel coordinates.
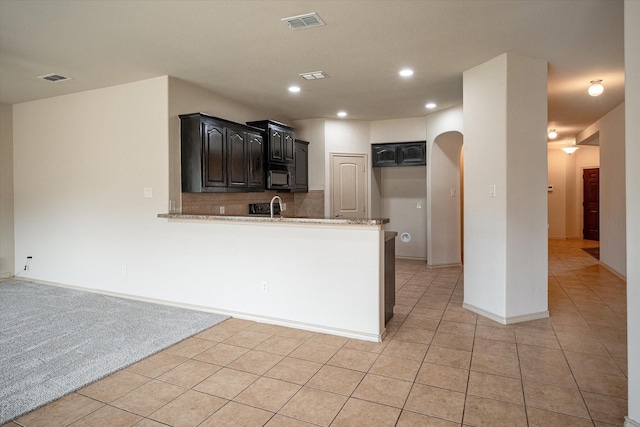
(406, 72)
(294, 89)
(342, 114)
(431, 105)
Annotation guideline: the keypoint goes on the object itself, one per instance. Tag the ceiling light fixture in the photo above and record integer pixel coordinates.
(552, 134)
(431, 105)
(406, 72)
(294, 89)
(313, 75)
(342, 114)
(570, 148)
(596, 88)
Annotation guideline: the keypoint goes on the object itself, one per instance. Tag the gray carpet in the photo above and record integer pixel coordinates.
(55, 340)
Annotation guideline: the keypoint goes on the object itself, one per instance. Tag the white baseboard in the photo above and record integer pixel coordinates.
(239, 315)
(628, 422)
(456, 264)
(506, 320)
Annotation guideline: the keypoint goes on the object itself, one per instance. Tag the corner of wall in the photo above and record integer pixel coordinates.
(7, 240)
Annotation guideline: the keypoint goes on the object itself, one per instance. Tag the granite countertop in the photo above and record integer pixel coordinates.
(277, 219)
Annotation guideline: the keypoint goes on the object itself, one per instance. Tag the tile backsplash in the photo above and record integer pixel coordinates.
(309, 204)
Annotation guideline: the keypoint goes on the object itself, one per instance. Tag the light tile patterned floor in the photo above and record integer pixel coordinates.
(440, 365)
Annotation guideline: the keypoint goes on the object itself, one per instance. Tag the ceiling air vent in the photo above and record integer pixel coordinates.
(302, 22)
(313, 75)
(54, 78)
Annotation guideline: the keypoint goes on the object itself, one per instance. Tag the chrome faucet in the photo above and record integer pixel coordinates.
(271, 204)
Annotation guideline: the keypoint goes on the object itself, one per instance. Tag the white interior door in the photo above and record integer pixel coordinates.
(349, 183)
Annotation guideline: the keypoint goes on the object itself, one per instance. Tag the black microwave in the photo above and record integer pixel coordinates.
(278, 178)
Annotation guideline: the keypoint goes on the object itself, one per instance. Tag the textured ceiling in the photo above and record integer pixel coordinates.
(243, 51)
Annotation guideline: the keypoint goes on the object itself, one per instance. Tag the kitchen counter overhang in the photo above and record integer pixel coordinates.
(277, 219)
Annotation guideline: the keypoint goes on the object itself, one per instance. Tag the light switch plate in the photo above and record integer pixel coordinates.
(148, 192)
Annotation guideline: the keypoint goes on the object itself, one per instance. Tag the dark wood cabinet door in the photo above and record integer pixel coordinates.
(412, 154)
(255, 163)
(591, 204)
(276, 138)
(236, 160)
(288, 143)
(301, 176)
(384, 155)
(214, 165)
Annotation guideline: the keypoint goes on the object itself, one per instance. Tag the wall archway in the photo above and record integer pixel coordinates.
(445, 191)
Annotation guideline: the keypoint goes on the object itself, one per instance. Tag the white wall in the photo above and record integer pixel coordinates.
(445, 244)
(557, 199)
(632, 156)
(612, 187)
(313, 131)
(505, 239)
(7, 258)
(82, 215)
(402, 191)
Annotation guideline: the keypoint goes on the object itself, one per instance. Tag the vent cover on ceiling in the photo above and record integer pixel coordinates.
(314, 75)
(302, 22)
(54, 78)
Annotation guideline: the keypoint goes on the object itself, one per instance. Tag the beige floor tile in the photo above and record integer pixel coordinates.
(282, 421)
(449, 357)
(545, 355)
(460, 315)
(555, 399)
(371, 347)
(188, 409)
(156, 365)
(436, 402)
(226, 383)
(336, 380)
(293, 370)
(395, 367)
(609, 385)
(412, 419)
(190, 347)
(315, 352)
(480, 412)
(236, 414)
(457, 328)
(327, 339)
(278, 344)
(359, 413)
(314, 406)
(108, 415)
(247, 339)
(531, 337)
(421, 323)
(353, 359)
(497, 333)
(294, 333)
(61, 412)
(458, 342)
(443, 377)
(255, 362)
(417, 335)
(606, 409)
(146, 422)
(497, 365)
(268, 394)
(148, 398)
(592, 363)
(189, 373)
(540, 418)
(496, 387)
(430, 313)
(383, 390)
(115, 385)
(540, 372)
(221, 354)
(495, 348)
(582, 344)
(216, 334)
(406, 350)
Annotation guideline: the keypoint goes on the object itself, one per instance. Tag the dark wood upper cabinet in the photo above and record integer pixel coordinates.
(301, 173)
(399, 154)
(218, 155)
(280, 140)
(255, 162)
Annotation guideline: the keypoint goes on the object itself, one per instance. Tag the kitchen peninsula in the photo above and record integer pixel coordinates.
(318, 274)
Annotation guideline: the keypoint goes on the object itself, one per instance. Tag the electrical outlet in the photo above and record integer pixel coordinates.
(419, 205)
(123, 269)
(492, 190)
(27, 267)
(148, 192)
(265, 286)
(221, 210)
(284, 206)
